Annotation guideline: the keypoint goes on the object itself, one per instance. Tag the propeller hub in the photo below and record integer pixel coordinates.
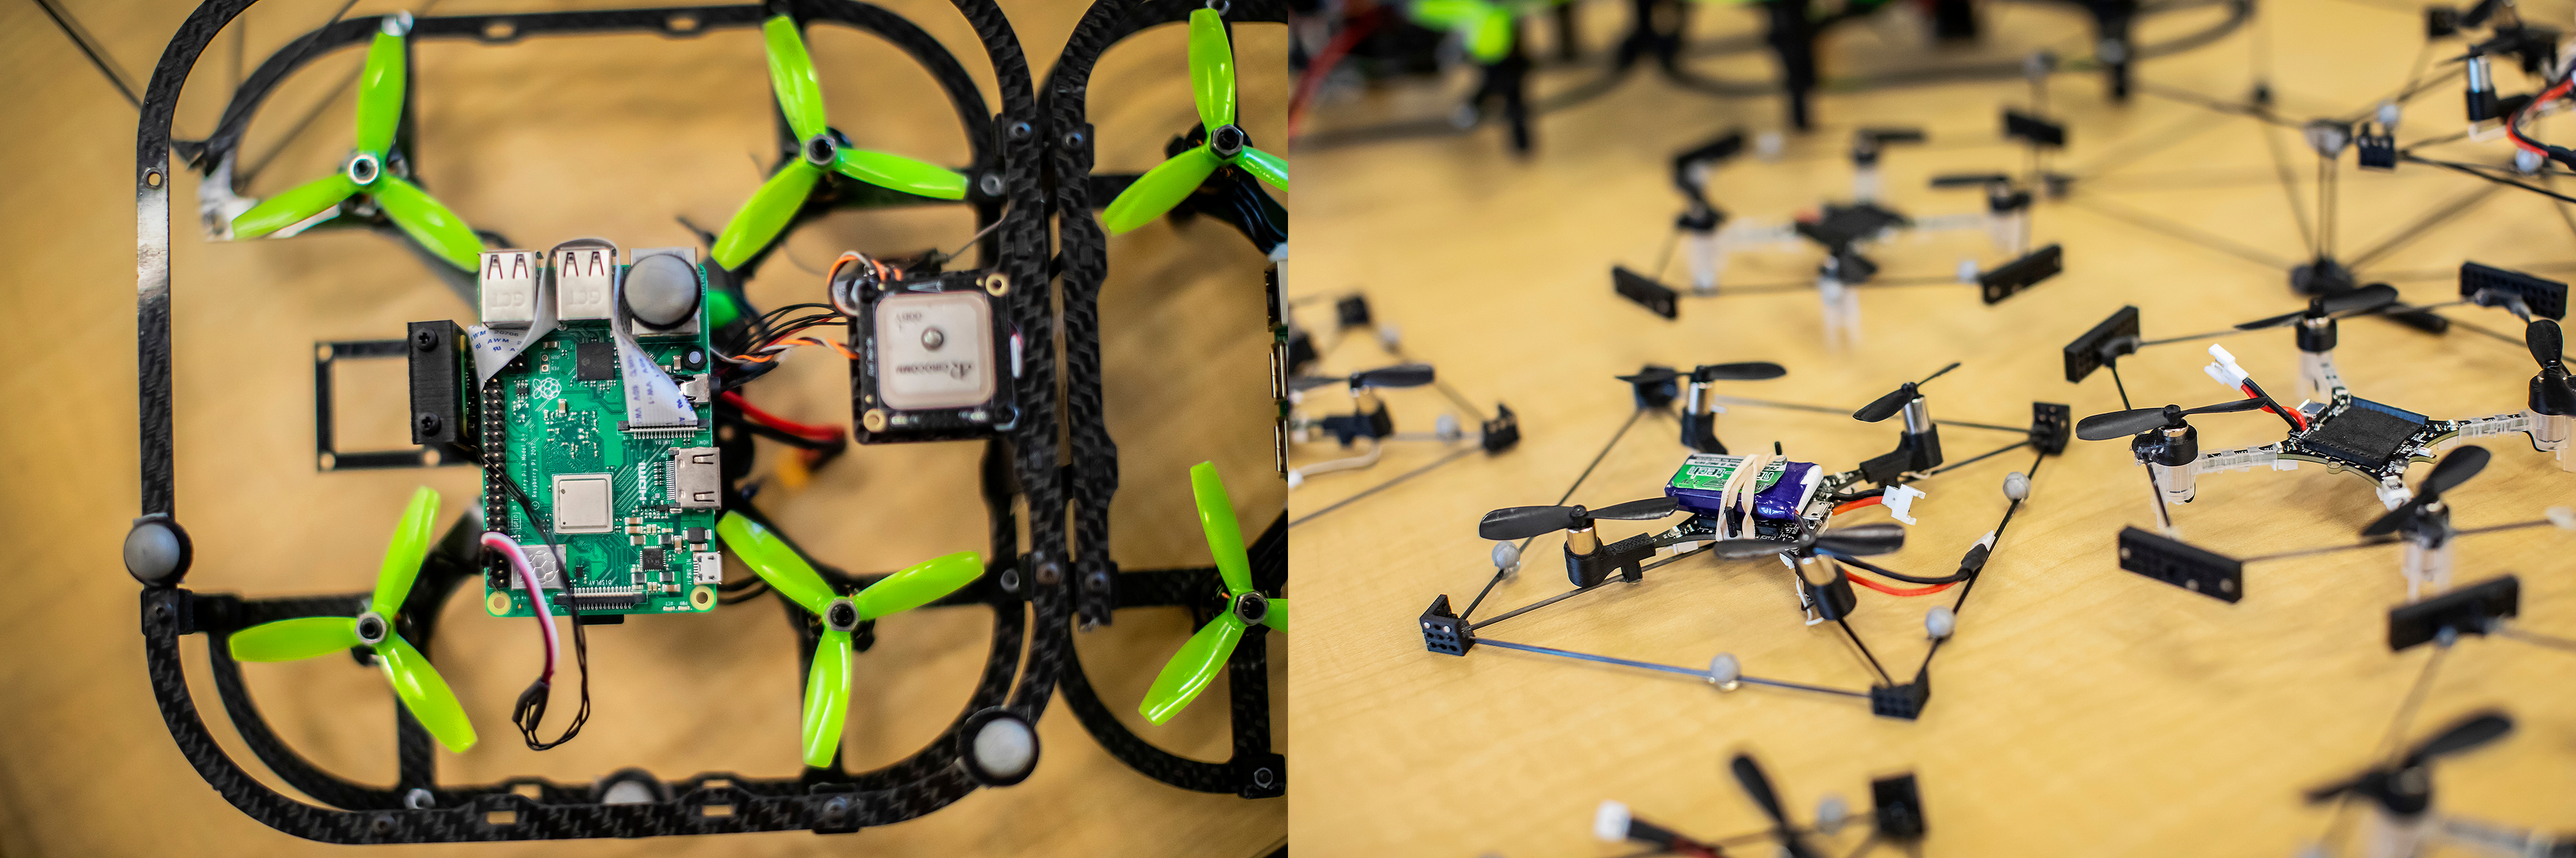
(821, 150)
(1252, 607)
(396, 24)
(841, 615)
(364, 168)
(371, 628)
(1227, 141)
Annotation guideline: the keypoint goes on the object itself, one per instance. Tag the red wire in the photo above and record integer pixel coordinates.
(2513, 132)
(1331, 56)
(782, 424)
(1853, 505)
(2294, 414)
(1899, 591)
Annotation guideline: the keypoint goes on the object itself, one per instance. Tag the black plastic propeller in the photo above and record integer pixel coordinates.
(2551, 392)
(1399, 375)
(2122, 424)
(2355, 301)
(1747, 371)
(1860, 541)
(1756, 784)
(1523, 522)
(1886, 406)
(2448, 474)
(2405, 789)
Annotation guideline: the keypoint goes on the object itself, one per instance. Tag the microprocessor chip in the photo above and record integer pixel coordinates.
(935, 351)
(582, 503)
(653, 560)
(2363, 435)
(594, 361)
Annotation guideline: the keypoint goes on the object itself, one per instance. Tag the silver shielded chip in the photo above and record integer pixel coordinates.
(934, 351)
(582, 503)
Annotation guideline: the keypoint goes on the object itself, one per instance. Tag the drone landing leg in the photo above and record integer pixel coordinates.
(2426, 564)
(2164, 517)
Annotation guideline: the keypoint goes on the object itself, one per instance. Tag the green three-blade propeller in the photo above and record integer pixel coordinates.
(380, 103)
(827, 683)
(1199, 660)
(414, 680)
(1212, 85)
(800, 99)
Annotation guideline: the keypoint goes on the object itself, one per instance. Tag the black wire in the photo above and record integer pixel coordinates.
(97, 54)
(531, 708)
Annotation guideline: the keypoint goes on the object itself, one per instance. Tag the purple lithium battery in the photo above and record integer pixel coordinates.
(1778, 490)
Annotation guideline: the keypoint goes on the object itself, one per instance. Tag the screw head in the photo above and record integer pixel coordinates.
(1020, 131)
(371, 628)
(1050, 572)
(991, 184)
(1227, 141)
(424, 341)
(364, 169)
(820, 150)
(841, 615)
(429, 424)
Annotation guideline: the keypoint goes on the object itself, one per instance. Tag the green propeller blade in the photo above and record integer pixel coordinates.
(403, 556)
(380, 93)
(1211, 68)
(299, 638)
(1278, 616)
(1191, 669)
(792, 75)
(827, 698)
(775, 562)
(767, 212)
(1486, 25)
(415, 682)
(428, 222)
(1224, 536)
(918, 585)
(1212, 87)
(900, 173)
(294, 206)
(425, 693)
(1159, 190)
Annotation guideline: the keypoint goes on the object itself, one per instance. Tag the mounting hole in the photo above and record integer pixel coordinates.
(152, 178)
(681, 23)
(499, 31)
(715, 810)
(322, 353)
(429, 457)
(501, 817)
(531, 792)
(998, 747)
(997, 283)
(1263, 778)
(497, 604)
(419, 799)
(327, 461)
(702, 598)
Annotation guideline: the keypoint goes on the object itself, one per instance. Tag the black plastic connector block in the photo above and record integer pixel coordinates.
(2114, 338)
(1903, 702)
(1347, 428)
(2375, 148)
(1504, 431)
(1655, 394)
(2469, 610)
(2013, 278)
(1443, 632)
(2039, 132)
(1352, 312)
(2190, 567)
(2052, 424)
(1899, 808)
(2441, 22)
(437, 390)
(1657, 298)
(2490, 286)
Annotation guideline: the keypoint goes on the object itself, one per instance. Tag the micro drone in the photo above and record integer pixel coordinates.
(1314, 411)
(601, 391)
(1896, 818)
(1755, 505)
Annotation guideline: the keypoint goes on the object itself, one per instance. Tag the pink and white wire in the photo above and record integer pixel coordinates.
(518, 556)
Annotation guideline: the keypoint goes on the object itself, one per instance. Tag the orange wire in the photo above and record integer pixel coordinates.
(1872, 500)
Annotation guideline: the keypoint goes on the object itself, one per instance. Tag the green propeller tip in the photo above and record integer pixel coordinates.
(1224, 534)
(380, 93)
(1211, 69)
(1191, 669)
(918, 585)
(775, 561)
(827, 694)
(792, 75)
(292, 639)
(425, 693)
(403, 556)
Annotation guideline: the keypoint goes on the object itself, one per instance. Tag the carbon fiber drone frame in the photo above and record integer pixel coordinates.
(417, 809)
(1253, 771)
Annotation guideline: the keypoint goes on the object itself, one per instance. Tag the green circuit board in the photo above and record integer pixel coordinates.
(630, 543)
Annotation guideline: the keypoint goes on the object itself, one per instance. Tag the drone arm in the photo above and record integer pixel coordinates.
(2318, 381)
(2549, 432)
(2488, 838)
(2243, 459)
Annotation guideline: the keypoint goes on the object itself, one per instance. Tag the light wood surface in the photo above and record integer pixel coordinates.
(673, 127)
(2081, 710)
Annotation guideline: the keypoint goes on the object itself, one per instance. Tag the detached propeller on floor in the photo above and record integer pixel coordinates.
(2550, 390)
(1399, 375)
(823, 150)
(2122, 424)
(1204, 655)
(2455, 468)
(1523, 522)
(1212, 85)
(2406, 789)
(827, 682)
(1758, 785)
(418, 684)
(380, 107)
(1886, 406)
(2352, 302)
(1748, 371)
(1858, 541)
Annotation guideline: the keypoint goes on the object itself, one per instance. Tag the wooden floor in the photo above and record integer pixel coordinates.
(658, 128)
(2081, 710)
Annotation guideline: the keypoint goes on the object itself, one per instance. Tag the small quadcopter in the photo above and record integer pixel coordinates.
(1896, 816)
(1841, 231)
(1369, 425)
(1756, 505)
(2331, 426)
